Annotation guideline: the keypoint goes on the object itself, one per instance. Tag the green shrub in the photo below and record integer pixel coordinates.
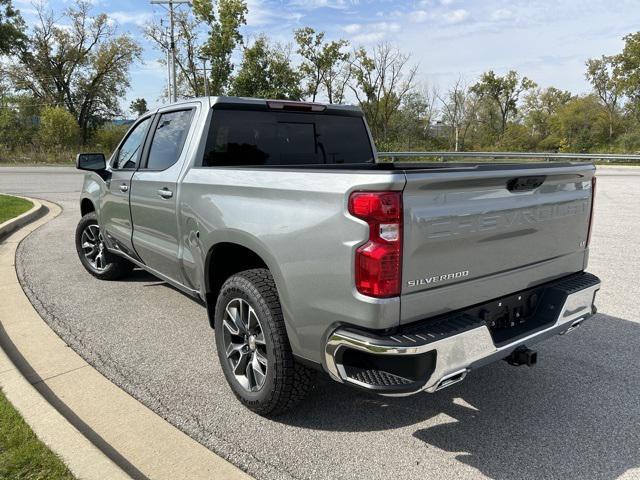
(9, 128)
(628, 142)
(15, 130)
(106, 137)
(516, 138)
(552, 143)
(58, 128)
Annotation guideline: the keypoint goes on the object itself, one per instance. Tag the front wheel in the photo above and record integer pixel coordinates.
(253, 347)
(94, 255)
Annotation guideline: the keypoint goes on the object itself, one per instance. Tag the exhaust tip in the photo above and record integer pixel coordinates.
(451, 379)
(573, 326)
(522, 356)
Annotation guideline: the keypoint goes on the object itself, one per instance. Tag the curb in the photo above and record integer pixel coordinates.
(98, 430)
(13, 224)
(82, 458)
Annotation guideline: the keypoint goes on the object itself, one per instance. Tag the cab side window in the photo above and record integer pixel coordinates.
(129, 153)
(168, 139)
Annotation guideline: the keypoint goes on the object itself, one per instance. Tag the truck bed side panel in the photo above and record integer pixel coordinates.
(297, 221)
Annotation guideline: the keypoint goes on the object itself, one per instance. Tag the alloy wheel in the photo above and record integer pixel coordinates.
(244, 343)
(93, 247)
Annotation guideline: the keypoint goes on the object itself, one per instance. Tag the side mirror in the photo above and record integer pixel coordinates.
(94, 162)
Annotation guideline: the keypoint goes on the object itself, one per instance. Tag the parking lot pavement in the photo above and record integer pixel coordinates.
(575, 415)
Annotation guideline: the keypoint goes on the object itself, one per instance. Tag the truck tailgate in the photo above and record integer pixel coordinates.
(472, 234)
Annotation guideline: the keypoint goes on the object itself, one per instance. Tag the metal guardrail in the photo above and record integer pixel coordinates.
(547, 157)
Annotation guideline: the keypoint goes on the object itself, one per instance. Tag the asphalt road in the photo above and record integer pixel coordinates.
(575, 415)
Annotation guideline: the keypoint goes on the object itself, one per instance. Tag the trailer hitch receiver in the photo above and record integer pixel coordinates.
(522, 356)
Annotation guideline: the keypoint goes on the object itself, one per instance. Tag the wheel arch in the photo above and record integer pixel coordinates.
(223, 260)
(227, 257)
(93, 189)
(86, 206)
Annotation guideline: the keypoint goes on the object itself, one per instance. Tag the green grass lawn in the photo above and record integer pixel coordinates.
(22, 455)
(12, 207)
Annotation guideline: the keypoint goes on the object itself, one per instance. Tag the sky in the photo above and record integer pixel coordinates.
(547, 41)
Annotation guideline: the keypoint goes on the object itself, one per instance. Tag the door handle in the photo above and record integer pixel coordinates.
(522, 184)
(165, 193)
(124, 188)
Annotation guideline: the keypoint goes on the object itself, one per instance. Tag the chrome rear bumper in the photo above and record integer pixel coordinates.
(453, 347)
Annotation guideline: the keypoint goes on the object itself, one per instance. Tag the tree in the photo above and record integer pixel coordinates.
(224, 37)
(540, 105)
(381, 83)
(581, 124)
(469, 120)
(409, 128)
(600, 73)
(338, 71)
(83, 66)
(323, 64)
(627, 71)
(266, 72)
(11, 28)
(458, 112)
(58, 128)
(484, 131)
(139, 106)
(504, 92)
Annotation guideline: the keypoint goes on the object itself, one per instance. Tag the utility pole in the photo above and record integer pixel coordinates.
(169, 82)
(172, 44)
(206, 77)
(172, 47)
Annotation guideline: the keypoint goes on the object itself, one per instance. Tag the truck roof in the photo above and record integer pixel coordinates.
(262, 103)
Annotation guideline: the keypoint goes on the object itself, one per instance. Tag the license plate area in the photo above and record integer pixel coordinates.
(514, 315)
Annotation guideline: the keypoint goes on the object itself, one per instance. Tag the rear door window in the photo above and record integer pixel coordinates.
(253, 138)
(168, 139)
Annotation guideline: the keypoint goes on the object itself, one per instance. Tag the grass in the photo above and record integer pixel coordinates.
(11, 207)
(22, 455)
(30, 155)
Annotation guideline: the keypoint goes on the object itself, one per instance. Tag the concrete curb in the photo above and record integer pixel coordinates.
(13, 224)
(98, 430)
(83, 458)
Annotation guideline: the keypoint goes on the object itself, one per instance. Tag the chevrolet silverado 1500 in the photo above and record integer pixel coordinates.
(311, 255)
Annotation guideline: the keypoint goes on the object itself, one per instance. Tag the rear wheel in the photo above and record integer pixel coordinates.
(93, 254)
(253, 347)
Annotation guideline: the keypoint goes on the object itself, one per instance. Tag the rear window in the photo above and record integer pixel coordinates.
(253, 138)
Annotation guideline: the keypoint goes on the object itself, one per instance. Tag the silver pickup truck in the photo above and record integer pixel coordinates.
(311, 255)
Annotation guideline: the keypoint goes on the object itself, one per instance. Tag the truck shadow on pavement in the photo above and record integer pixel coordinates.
(139, 275)
(574, 415)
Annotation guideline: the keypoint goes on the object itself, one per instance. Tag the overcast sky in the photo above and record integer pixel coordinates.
(546, 40)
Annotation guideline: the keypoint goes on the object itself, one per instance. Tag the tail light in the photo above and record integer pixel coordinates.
(593, 202)
(378, 268)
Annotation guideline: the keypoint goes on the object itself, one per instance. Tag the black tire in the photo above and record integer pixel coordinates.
(113, 267)
(286, 381)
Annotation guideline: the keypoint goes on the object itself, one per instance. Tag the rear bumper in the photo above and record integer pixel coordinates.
(435, 354)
